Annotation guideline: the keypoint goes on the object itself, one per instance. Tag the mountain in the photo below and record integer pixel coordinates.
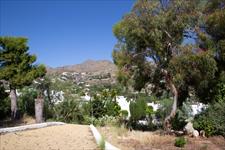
(90, 66)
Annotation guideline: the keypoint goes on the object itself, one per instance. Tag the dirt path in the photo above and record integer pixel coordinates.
(64, 137)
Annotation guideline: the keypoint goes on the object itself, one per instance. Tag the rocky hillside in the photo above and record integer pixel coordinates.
(88, 73)
(89, 66)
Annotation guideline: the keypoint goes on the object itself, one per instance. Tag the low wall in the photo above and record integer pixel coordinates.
(31, 126)
(98, 139)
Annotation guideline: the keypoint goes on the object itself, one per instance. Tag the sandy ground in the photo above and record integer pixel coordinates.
(64, 137)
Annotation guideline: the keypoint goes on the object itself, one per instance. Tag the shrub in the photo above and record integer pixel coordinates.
(106, 120)
(102, 143)
(138, 109)
(3, 94)
(48, 109)
(105, 104)
(164, 109)
(149, 111)
(212, 120)
(98, 108)
(112, 108)
(68, 111)
(124, 114)
(27, 101)
(180, 142)
(184, 113)
(177, 122)
(5, 108)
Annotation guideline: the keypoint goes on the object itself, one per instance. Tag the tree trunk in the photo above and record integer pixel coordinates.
(13, 98)
(173, 89)
(39, 105)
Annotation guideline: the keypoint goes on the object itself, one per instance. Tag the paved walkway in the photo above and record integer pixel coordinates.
(64, 137)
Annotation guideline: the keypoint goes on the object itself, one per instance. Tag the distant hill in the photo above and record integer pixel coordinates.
(91, 66)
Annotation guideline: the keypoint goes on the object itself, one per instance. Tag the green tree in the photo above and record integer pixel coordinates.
(212, 38)
(150, 49)
(16, 66)
(3, 94)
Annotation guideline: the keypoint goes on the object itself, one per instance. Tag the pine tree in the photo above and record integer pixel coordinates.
(17, 67)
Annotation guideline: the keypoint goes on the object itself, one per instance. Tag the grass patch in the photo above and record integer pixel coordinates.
(180, 142)
(102, 144)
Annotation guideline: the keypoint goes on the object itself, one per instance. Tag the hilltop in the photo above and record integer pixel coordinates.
(90, 72)
(91, 66)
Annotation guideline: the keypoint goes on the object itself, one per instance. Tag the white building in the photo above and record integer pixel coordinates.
(124, 104)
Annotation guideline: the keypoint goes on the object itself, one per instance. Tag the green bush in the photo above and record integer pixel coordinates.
(112, 108)
(138, 109)
(105, 104)
(48, 109)
(3, 94)
(105, 120)
(102, 143)
(180, 142)
(5, 108)
(98, 108)
(184, 113)
(212, 120)
(68, 111)
(26, 101)
(124, 114)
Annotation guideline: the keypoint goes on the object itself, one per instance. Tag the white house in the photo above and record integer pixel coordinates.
(123, 103)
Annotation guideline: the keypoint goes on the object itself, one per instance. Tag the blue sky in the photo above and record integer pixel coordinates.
(64, 32)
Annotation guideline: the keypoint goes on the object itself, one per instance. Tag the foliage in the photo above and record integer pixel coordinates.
(212, 119)
(150, 50)
(102, 144)
(106, 120)
(180, 142)
(124, 114)
(4, 103)
(68, 87)
(138, 109)
(105, 104)
(164, 110)
(219, 90)
(149, 111)
(17, 66)
(212, 37)
(190, 69)
(26, 101)
(183, 114)
(5, 108)
(68, 111)
(16, 63)
(3, 94)
(150, 34)
(42, 85)
(98, 107)
(48, 111)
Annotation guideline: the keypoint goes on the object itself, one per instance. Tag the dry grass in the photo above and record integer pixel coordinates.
(128, 140)
(138, 140)
(23, 121)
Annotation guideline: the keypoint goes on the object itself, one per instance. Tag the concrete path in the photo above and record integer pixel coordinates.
(64, 137)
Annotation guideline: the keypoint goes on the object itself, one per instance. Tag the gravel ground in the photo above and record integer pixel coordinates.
(64, 137)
